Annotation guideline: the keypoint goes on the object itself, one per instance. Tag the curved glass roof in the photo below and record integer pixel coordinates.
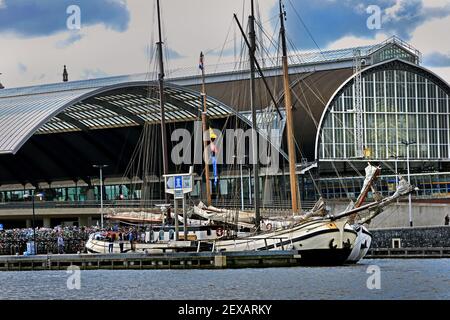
(94, 104)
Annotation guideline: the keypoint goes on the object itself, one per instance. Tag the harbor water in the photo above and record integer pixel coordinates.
(398, 279)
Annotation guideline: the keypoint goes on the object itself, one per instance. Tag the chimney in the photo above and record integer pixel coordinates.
(65, 75)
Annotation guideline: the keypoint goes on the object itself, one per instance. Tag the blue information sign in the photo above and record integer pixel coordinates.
(179, 182)
(1, 227)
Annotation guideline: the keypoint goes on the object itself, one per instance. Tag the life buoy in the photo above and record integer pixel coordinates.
(219, 232)
(268, 226)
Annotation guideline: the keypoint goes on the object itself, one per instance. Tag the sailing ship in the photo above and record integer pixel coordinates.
(319, 237)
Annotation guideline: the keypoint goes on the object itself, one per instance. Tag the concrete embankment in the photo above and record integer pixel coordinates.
(396, 215)
(202, 260)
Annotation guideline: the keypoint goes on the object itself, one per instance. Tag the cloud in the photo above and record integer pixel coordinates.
(36, 18)
(71, 39)
(331, 20)
(172, 54)
(22, 68)
(437, 59)
(93, 74)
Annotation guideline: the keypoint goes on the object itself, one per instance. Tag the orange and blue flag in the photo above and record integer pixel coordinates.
(200, 64)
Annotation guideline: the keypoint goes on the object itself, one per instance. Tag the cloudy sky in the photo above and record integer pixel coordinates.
(117, 36)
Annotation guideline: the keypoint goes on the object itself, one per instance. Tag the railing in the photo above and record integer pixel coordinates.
(440, 252)
(224, 203)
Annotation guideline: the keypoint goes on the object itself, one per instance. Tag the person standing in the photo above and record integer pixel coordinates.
(111, 242)
(446, 220)
(131, 239)
(60, 243)
(121, 242)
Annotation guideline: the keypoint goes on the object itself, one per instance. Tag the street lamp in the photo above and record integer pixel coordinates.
(34, 217)
(100, 167)
(407, 144)
(395, 156)
(242, 180)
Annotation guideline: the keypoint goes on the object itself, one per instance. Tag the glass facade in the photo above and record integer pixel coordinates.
(432, 185)
(391, 52)
(398, 106)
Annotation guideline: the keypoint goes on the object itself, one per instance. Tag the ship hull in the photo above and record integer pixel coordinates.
(319, 243)
(362, 245)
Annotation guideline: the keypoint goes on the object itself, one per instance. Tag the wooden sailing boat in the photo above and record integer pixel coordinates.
(319, 239)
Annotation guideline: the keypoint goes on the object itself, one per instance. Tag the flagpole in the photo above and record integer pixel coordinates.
(205, 129)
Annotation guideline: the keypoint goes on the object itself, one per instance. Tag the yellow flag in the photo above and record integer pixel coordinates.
(212, 135)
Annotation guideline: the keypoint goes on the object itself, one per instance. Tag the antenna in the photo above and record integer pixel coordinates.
(65, 75)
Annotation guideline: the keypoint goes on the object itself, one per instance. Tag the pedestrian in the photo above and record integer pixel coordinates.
(60, 243)
(131, 239)
(111, 242)
(446, 220)
(121, 242)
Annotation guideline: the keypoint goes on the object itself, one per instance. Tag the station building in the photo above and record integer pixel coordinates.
(52, 135)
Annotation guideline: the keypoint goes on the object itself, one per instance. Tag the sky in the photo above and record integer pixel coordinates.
(118, 36)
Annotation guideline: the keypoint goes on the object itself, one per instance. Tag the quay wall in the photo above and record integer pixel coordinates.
(417, 237)
(397, 214)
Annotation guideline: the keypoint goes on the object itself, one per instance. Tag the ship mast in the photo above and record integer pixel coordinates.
(255, 138)
(161, 95)
(289, 123)
(204, 126)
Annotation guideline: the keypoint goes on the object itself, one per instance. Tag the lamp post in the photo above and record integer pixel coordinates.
(250, 184)
(34, 217)
(395, 156)
(407, 144)
(100, 167)
(242, 180)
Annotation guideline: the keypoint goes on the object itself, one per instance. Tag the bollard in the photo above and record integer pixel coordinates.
(220, 261)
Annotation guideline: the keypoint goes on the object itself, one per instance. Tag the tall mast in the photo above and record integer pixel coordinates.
(289, 123)
(255, 138)
(204, 125)
(161, 95)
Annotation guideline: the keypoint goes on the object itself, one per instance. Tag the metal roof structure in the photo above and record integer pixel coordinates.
(132, 100)
(93, 104)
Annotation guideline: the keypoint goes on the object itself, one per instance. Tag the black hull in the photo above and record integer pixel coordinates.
(324, 257)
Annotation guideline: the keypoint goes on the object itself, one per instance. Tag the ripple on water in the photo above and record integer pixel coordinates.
(400, 279)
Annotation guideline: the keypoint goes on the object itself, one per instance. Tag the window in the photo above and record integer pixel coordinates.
(396, 243)
(399, 105)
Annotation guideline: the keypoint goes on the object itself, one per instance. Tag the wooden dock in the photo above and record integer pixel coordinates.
(202, 260)
(408, 253)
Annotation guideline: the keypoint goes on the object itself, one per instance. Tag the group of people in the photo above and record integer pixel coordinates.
(48, 240)
(121, 236)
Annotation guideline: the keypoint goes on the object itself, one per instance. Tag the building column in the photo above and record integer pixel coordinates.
(83, 221)
(47, 222)
(90, 194)
(29, 223)
(268, 191)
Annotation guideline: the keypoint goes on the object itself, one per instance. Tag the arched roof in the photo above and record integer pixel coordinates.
(397, 64)
(94, 104)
